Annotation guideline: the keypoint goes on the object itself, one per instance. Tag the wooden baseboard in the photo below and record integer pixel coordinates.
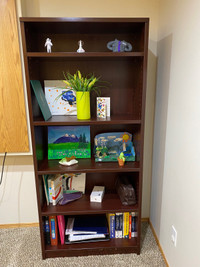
(19, 225)
(145, 219)
(158, 243)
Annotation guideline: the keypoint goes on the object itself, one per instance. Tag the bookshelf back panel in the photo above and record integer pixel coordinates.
(41, 142)
(95, 36)
(122, 83)
(109, 181)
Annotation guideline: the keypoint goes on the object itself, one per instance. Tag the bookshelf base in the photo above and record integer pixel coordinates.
(113, 246)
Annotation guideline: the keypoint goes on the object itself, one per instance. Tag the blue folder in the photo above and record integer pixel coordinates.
(91, 223)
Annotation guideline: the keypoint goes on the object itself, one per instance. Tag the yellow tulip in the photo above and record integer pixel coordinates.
(79, 74)
(92, 83)
(67, 83)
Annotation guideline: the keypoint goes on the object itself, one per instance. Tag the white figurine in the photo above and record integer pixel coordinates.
(80, 49)
(48, 44)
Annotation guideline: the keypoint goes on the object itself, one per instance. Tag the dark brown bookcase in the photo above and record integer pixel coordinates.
(126, 72)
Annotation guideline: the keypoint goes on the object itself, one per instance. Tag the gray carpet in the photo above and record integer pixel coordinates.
(21, 247)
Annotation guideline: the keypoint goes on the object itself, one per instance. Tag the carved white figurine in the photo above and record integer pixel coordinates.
(80, 49)
(48, 44)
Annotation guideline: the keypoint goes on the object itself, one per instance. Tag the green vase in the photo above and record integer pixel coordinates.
(83, 105)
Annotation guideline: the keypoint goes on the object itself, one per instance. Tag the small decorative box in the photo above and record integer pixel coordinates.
(101, 107)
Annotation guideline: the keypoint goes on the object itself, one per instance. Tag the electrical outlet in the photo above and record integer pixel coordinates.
(174, 236)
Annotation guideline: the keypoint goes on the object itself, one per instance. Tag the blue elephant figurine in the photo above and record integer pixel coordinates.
(119, 46)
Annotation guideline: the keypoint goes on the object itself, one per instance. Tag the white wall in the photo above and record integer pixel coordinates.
(16, 175)
(175, 193)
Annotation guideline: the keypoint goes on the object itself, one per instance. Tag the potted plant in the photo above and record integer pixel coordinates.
(121, 159)
(82, 86)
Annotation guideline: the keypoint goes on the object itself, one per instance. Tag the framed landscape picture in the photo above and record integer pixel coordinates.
(67, 141)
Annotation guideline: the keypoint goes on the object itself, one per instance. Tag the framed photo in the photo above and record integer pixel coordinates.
(61, 100)
(67, 141)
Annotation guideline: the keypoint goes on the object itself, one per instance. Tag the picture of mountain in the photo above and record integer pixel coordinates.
(67, 141)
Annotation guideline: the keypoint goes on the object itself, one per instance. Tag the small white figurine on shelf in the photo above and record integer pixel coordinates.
(48, 44)
(80, 49)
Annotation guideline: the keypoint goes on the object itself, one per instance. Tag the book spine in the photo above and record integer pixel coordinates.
(45, 177)
(126, 225)
(49, 189)
(121, 225)
(50, 195)
(53, 230)
(57, 189)
(133, 225)
(118, 225)
(61, 227)
(111, 222)
(130, 224)
(47, 231)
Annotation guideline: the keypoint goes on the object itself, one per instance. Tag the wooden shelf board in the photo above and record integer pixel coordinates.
(89, 20)
(111, 203)
(85, 165)
(86, 54)
(72, 120)
(115, 243)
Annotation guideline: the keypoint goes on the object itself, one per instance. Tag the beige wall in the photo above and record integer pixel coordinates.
(176, 159)
(22, 212)
(17, 191)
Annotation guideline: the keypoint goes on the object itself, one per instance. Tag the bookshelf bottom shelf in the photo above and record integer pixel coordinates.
(113, 246)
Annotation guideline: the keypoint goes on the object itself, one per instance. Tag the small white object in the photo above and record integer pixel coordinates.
(97, 194)
(69, 163)
(174, 235)
(80, 49)
(48, 44)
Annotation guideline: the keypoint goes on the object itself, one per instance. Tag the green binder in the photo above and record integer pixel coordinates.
(39, 93)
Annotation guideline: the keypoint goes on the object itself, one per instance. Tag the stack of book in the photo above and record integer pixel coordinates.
(54, 226)
(53, 188)
(57, 185)
(122, 225)
(90, 228)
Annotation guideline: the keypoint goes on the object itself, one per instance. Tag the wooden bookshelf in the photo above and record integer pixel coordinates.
(126, 73)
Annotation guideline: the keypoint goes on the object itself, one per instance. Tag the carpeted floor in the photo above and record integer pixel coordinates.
(21, 247)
